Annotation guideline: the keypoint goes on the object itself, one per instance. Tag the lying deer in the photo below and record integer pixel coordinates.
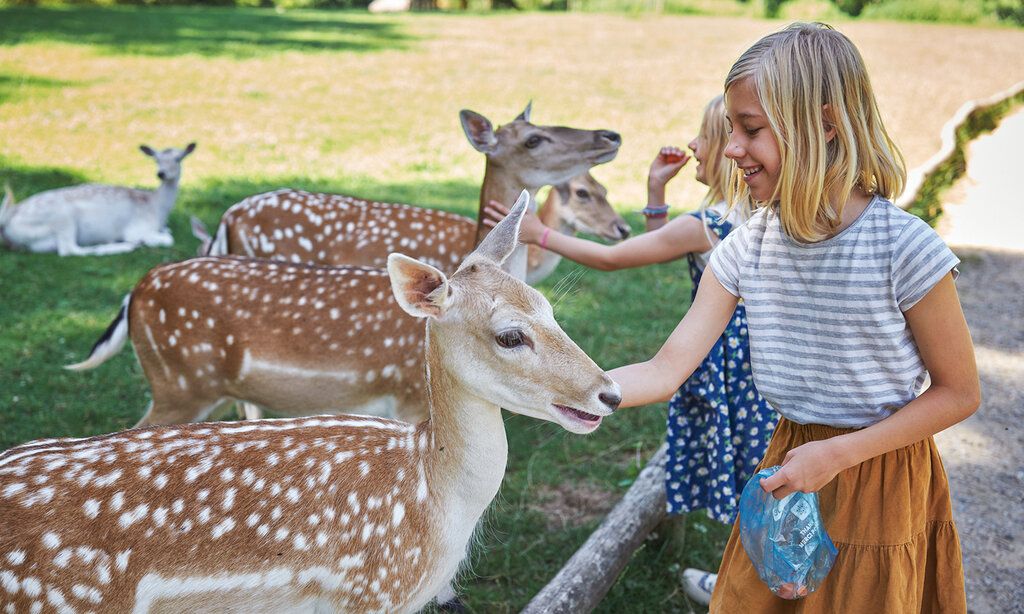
(334, 229)
(578, 205)
(311, 514)
(95, 219)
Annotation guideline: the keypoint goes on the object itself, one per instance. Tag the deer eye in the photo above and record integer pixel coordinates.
(533, 141)
(581, 193)
(512, 339)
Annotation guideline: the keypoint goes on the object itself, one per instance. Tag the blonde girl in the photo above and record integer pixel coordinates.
(851, 303)
(718, 425)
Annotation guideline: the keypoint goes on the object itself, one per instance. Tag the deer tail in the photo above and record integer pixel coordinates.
(110, 342)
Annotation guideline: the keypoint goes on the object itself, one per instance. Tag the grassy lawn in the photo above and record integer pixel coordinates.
(363, 105)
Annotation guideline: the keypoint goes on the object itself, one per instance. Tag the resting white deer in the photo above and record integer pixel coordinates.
(96, 219)
(578, 205)
(311, 514)
(335, 229)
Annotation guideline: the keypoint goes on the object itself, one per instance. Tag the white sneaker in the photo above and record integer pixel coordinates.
(698, 585)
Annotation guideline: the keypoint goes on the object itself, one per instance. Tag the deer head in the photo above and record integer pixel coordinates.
(502, 336)
(168, 161)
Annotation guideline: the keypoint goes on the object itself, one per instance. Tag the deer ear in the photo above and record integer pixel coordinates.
(420, 289)
(479, 131)
(525, 115)
(146, 149)
(504, 238)
(199, 230)
(188, 149)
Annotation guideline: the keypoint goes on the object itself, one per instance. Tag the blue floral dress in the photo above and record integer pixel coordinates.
(718, 424)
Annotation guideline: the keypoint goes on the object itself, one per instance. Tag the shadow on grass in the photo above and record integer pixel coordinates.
(18, 86)
(169, 31)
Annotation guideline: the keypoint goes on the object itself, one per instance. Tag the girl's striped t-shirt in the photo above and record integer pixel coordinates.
(829, 343)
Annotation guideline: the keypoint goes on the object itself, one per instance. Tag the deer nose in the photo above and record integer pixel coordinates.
(623, 231)
(608, 135)
(612, 400)
(161, 175)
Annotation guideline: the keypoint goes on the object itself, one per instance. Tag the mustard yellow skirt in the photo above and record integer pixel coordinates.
(891, 520)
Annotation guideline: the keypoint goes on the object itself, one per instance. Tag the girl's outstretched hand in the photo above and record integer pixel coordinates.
(806, 468)
(666, 165)
(530, 229)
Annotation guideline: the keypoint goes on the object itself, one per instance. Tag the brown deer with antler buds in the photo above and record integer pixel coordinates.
(323, 514)
(299, 226)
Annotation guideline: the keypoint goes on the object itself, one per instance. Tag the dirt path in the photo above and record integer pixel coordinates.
(983, 221)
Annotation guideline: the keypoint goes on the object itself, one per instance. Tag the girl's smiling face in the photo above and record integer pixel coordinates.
(752, 146)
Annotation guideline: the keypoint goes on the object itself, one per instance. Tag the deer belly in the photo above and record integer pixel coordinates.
(299, 390)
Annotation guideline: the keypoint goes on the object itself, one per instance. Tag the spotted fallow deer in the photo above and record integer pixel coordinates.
(96, 219)
(578, 205)
(322, 514)
(335, 229)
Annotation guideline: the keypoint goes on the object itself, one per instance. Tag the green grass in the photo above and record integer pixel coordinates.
(344, 102)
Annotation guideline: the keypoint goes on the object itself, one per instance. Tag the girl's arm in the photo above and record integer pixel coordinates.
(940, 331)
(679, 237)
(665, 166)
(657, 379)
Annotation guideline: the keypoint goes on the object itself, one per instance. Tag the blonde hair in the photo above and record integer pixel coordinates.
(713, 138)
(796, 72)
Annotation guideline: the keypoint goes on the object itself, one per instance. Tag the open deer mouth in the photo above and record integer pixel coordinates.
(575, 414)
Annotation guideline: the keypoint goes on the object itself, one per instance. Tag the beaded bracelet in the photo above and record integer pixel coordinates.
(655, 211)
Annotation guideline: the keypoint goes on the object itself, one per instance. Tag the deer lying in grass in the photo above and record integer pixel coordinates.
(334, 229)
(578, 205)
(95, 219)
(321, 514)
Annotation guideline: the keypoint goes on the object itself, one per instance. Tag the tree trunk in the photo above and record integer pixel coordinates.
(587, 576)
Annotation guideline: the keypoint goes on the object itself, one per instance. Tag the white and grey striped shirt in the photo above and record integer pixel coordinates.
(828, 340)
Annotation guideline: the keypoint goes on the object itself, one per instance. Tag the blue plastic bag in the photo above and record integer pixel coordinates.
(785, 538)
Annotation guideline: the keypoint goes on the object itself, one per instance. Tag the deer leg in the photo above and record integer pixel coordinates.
(178, 410)
(162, 238)
(249, 411)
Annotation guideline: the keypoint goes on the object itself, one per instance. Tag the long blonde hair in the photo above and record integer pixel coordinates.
(796, 72)
(712, 139)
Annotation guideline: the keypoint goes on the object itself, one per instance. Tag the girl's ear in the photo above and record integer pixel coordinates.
(828, 122)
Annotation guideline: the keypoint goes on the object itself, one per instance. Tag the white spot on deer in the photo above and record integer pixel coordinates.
(87, 593)
(117, 501)
(127, 519)
(178, 506)
(160, 481)
(91, 508)
(31, 586)
(160, 516)
(229, 499)
(51, 540)
(121, 560)
(194, 472)
(222, 527)
(16, 557)
(293, 494)
(281, 534)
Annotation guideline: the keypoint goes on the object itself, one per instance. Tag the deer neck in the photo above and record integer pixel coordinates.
(502, 186)
(468, 448)
(543, 262)
(164, 197)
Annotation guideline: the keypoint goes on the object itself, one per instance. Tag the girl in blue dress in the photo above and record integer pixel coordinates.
(718, 424)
